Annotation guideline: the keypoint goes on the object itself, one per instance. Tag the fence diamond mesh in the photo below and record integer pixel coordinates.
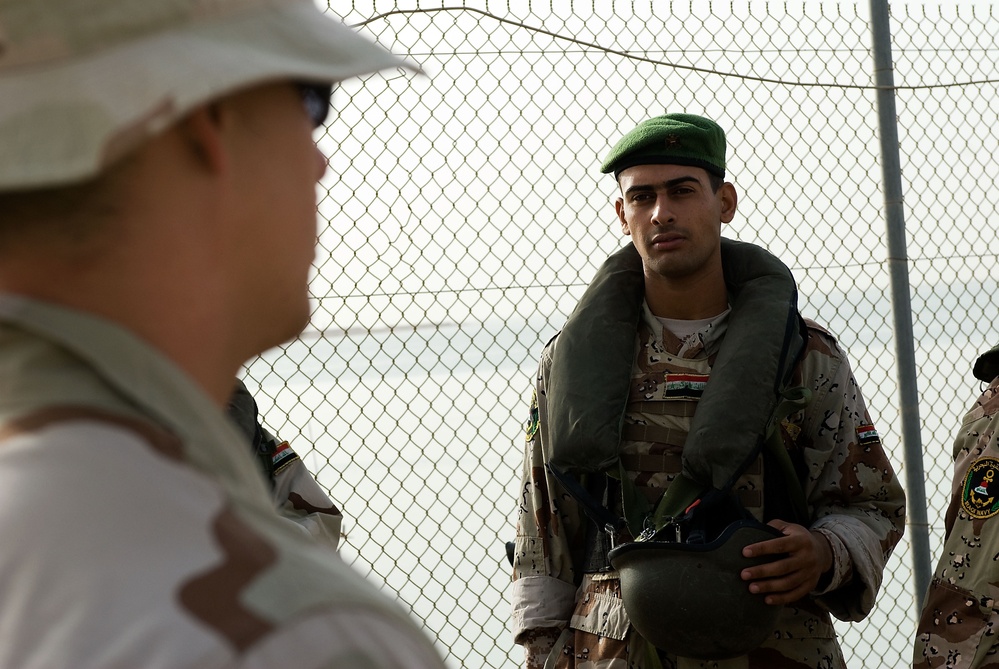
(463, 214)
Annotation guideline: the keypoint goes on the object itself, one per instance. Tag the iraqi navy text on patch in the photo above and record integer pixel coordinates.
(980, 495)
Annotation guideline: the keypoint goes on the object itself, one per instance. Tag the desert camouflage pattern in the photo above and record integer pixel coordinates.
(137, 517)
(957, 628)
(300, 498)
(853, 495)
(68, 78)
(296, 493)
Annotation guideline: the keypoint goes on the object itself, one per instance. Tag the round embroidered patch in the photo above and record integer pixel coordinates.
(535, 420)
(980, 497)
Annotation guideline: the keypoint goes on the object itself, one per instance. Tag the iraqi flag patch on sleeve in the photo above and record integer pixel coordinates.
(283, 456)
(866, 435)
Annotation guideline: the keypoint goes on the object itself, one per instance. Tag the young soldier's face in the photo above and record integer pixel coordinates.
(674, 219)
(276, 167)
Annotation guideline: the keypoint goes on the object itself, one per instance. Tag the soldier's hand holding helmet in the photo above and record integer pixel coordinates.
(807, 557)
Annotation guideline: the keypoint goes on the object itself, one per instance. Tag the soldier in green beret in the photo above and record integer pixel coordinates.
(957, 627)
(158, 196)
(671, 382)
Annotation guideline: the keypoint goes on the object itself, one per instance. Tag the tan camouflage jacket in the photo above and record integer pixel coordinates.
(957, 628)
(300, 498)
(574, 619)
(296, 493)
(138, 530)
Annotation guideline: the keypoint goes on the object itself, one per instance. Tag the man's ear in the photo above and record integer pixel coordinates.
(203, 128)
(619, 208)
(729, 201)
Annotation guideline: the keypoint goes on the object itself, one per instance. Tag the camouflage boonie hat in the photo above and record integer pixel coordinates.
(84, 82)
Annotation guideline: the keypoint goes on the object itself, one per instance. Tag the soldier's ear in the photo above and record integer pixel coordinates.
(619, 208)
(729, 199)
(203, 130)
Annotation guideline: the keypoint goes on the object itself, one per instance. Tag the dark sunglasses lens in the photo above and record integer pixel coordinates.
(316, 98)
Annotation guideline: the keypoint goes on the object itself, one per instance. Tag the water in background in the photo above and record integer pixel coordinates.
(417, 432)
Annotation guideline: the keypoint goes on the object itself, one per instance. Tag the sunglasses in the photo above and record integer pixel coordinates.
(316, 99)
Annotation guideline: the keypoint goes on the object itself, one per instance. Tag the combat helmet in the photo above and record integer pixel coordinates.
(688, 598)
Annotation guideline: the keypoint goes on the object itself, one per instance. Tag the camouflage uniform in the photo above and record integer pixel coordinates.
(295, 492)
(162, 547)
(958, 624)
(301, 499)
(853, 496)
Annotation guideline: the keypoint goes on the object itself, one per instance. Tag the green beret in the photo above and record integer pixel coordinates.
(671, 139)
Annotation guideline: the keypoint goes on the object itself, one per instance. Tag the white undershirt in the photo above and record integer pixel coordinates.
(683, 329)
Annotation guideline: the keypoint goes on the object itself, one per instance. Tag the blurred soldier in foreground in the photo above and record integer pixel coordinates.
(155, 157)
(958, 626)
(702, 483)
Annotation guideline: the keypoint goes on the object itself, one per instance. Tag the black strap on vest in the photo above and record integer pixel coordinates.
(595, 510)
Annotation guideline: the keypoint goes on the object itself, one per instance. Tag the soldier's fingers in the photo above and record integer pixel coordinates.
(771, 570)
(773, 586)
(787, 596)
(791, 543)
(779, 524)
(768, 547)
(795, 556)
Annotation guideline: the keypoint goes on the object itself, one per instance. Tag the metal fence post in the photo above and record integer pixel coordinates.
(901, 307)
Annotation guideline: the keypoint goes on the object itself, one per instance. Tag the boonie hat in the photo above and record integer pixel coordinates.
(84, 82)
(671, 139)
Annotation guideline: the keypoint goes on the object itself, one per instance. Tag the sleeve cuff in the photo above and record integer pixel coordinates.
(541, 602)
(842, 569)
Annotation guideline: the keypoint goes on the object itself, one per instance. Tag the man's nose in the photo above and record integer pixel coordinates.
(662, 214)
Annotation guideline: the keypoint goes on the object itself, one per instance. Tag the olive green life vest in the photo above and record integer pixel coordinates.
(592, 363)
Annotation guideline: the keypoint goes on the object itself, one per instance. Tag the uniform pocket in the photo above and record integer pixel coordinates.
(599, 609)
(952, 625)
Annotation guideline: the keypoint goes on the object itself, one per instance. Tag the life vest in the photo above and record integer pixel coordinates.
(590, 377)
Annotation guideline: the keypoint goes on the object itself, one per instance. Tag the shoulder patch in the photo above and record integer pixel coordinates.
(534, 421)
(980, 494)
(283, 456)
(866, 434)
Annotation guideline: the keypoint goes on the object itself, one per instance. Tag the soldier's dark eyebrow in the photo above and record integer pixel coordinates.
(644, 188)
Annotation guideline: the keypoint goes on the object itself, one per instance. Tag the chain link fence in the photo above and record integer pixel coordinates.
(463, 215)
